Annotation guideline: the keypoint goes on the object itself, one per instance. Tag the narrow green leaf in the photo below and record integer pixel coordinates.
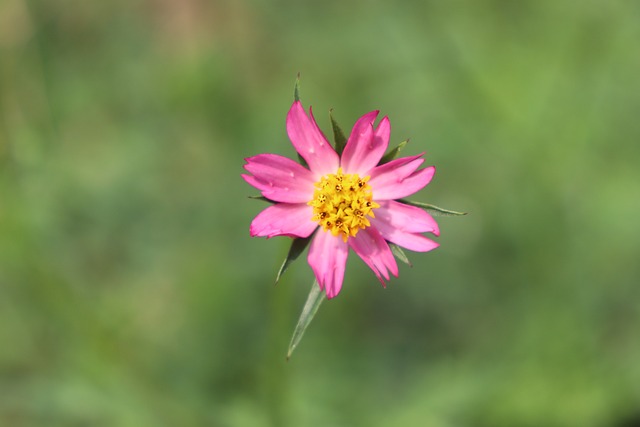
(315, 298)
(393, 153)
(264, 199)
(432, 209)
(399, 253)
(296, 97)
(302, 161)
(298, 245)
(296, 89)
(338, 135)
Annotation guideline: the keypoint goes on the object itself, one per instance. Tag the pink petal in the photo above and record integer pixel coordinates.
(375, 252)
(284, 219)
(366, 146)
(280, 179)
(398, 178)
(406, 218)
(388, 172)
(309, 141)
(412, 241)
(402, 224)
(328, 259)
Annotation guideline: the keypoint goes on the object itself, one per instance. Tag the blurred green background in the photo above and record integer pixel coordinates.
(132, 295)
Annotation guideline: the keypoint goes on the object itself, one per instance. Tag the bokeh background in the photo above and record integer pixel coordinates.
(132, 295)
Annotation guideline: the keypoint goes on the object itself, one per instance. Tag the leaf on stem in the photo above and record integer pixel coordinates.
(264, 199)
(399, 253)
(432, 209)
(296, 97)
(296, 89)
(298, 245)
(338, 135)
(393, 153)
(315, 298)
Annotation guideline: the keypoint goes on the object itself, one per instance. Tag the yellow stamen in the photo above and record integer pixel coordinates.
(342, 202)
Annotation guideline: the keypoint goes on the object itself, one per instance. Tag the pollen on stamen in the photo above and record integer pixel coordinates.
(341, 204)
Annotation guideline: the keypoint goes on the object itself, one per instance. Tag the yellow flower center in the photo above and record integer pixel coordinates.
(342, 202)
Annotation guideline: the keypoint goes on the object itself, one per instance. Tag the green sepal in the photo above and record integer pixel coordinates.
(298, 245)
(338, 135)
(432, 209)
(302, 161)
(296, 97)
(296, 89)
(393, 153)
(315, 298)
(264, 199)
(399, 253)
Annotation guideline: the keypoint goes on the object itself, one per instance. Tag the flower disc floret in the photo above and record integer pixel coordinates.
(342, 202)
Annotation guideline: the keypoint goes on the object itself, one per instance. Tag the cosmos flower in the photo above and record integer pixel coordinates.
(349, 201)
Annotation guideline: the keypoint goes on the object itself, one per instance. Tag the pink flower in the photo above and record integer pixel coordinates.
(350, 200)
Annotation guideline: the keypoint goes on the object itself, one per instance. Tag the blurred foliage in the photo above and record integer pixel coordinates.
(132, 295)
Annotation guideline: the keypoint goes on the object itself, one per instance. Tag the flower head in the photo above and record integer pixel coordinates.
(350, 199)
